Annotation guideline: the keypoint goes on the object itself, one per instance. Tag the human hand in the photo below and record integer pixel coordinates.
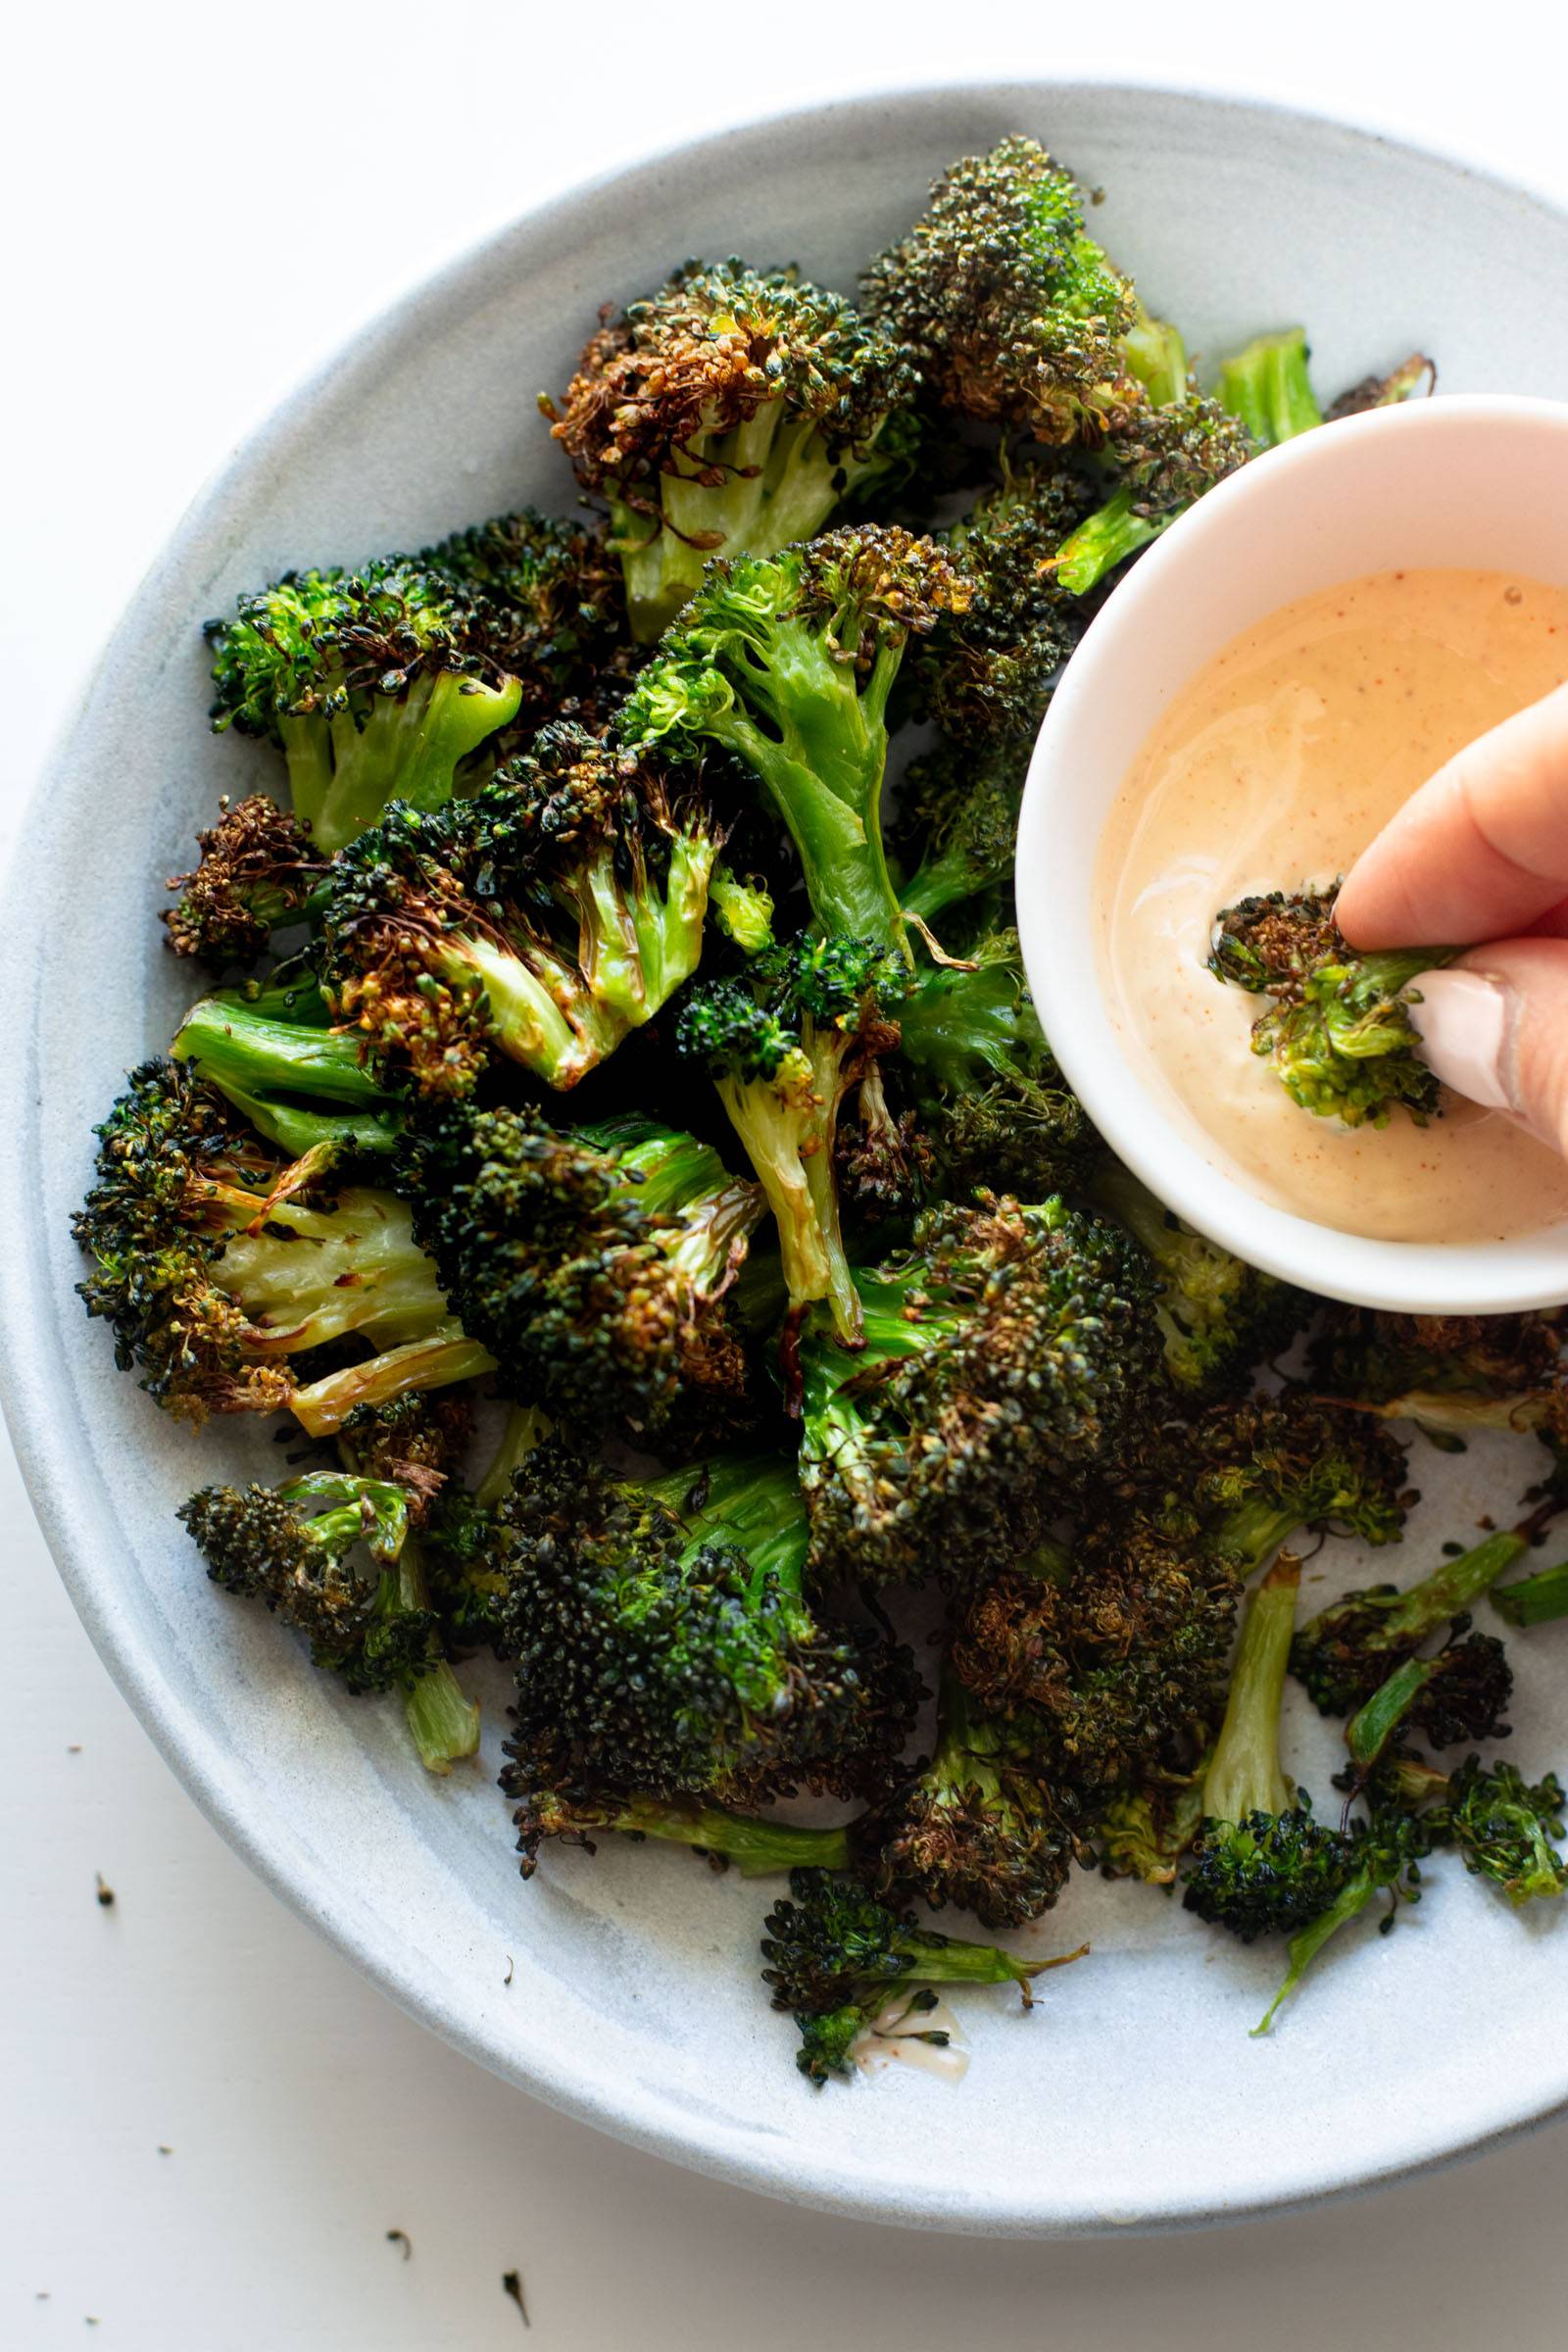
(1480, 853)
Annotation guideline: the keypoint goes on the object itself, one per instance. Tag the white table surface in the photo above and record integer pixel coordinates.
(209, 2124)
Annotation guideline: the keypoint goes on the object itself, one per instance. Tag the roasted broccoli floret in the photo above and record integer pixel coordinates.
(541, 920)
(1345, 1651)
(1012, 309)
(991, 665)
(376, 684)
(1415, 374)
(1267, 1466)
(1450, 1373)
(376, 1630)
(1145, 1831)
(1338, 1027)
(1500, 1825)
(1262, 1866)
(836, 1958)
(1220, 1318)
(301, 1084)
(729, 415)
(956, 824)
(258, 871)
(883, 1164)
(788, 662)
(557, 613)
(593, 1261)
(1268, 388)
(415, 1442)
(665, 1647)
(217, 1278)
(1003, 1353)
(1459, 1695)
(784, 1044)
(1385, 1857)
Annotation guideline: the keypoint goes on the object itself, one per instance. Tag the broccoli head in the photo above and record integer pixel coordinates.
(729, 415)
(1450, 1373)
(557, 613)
(1459, 1695)
(1501, 1824)
(990, 666)
(258, 873)
(956, 829)
(1165, 457)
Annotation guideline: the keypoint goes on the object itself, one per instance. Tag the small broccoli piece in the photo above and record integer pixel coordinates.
(1338, 1028)
(784, 1046)
(1144, 1831)
(1167, 454)
(415, 1442)
(977, 1824)
(837, 1957)
(730, 414)
(557, 613)
(376, 1632)
(1450, 1373)
(883, 1164)
(1536, 1600)
(1501, 1824)
(990, 666)
(1266, 1466)
(1415, 374)
(956, 826)
(665, 1647)
(1011, 308)
(1456, 1696)
(788, 663)
(541, 920)
(302, 1085)
(376, 685)
(1347, 1649)
(258, 873)
(758, 1845)
(1267, 387)
(593, 1263)
(742, 909)
(1262, 1865)
(216, 1277)
(1003, 1355)
(1387, 1853)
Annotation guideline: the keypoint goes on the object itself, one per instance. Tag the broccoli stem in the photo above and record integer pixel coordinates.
(1450, 1591)
(1268, 387)
(1154, 353)
(525, 1428)
(1373, 1725)
(444, 1724)
(1244, 1774)
(1304, 1947)
(1535, 1599)
(1106, 538)
(791, 1152)
(343, 770)
(278, 1071)
(444, 1356)
(757, 1847)
(754, 1501)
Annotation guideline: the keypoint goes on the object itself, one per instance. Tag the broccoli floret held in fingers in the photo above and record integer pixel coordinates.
(1338, 1026)
(539, 922)
(729, 415)
(259, 872)
(837, 1957)
(787, 662)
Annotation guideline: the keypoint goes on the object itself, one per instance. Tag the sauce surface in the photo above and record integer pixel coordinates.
(1275, 765)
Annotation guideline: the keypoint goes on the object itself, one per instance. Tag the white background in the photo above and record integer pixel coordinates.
(200, 205)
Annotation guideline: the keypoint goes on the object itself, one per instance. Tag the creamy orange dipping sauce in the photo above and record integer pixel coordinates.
(1275, 765)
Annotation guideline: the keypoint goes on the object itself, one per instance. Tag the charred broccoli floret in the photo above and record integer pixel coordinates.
(559, 613)
(1004, 1353)
(1262, 1865)
(376, 1631)
(729, 415)
(956, 826)
(258, 871)
(541, 920)
(1459, 1695)
(1450, 1373)
(784, 1046)
(1344, 1653)
(990, 668)
(836, 1958)
(1338, 1027)
(1267, 1466)
(1500, 1824)
(376, 685)
(787, 662)
(593, 1261)
(301, 1084)
(1012, 309)
(1415, 374)
(216, 1276)
(415, 1442)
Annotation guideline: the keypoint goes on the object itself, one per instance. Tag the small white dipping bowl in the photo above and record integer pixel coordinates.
(1473, 481)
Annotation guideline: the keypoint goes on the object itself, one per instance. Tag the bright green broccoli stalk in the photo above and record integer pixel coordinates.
(837, 1959)
(1013, 312)
(1344, 1653)
(1003, 1354)
(1536, 1600)
(788, 663)
(1268, 389)
(374, 1630)
(1221, 1319)
(594, 1261)
(301, 1084)
(218, 1279)
(541, 920)
(989, 669)
(757, 1844)
(730, 415)
(1262, 1865)
(376, 685)
(784, 1046)
(259, 872)
(1338, 1027)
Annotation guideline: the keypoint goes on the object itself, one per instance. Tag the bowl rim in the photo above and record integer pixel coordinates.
(1065, 967)
(74, 1507)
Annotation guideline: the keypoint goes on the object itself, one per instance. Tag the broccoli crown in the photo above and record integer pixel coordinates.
(257, 873)
(1012, 309)
(991, 665)
(262, 1543)
(1463, 1693)
(559, 618)
(593, 1263)
(1267, 1465)
(1270, 1874)
(1451, 1371)
(787, 662)
(1338, 1028)
(664, 1645)
(835, 1955)
(1003, 1354)
(956, 829)
(542, 920)
(1344, 1653)
(1504, 1828)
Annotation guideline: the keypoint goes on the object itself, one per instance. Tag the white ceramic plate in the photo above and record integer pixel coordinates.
(1132, 2096)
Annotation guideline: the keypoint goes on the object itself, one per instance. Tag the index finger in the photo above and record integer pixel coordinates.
(1480, 852)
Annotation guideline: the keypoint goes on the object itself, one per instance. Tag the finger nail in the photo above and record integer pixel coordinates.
(1462, 1022)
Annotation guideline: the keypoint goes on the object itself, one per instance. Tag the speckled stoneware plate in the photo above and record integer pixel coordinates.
(623, 1989)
